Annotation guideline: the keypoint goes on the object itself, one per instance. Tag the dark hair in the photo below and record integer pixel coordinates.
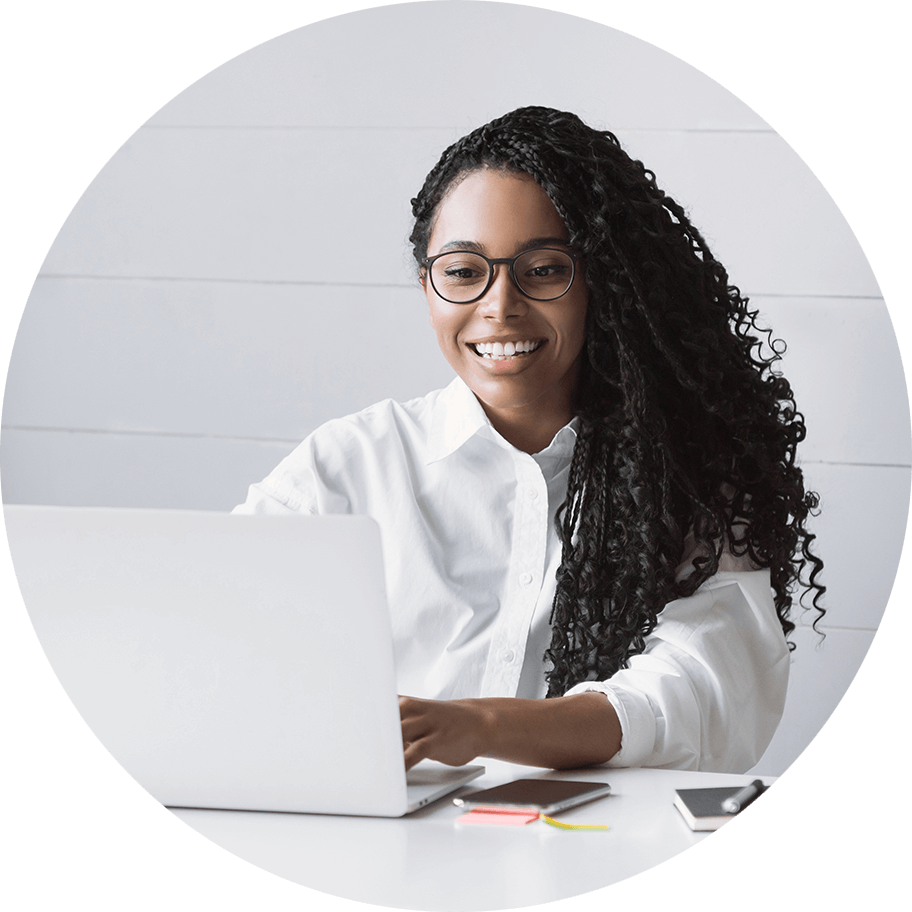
(685, 429)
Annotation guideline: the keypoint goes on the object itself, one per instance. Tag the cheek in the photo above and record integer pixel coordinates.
(437, 322)
(433, 314)
(583, 315)
(444, 323)
(576, 327)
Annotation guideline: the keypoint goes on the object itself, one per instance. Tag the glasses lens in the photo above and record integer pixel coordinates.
(459, 276)
(544, 274)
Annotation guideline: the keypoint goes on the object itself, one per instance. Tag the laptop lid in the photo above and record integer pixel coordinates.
(225, 661)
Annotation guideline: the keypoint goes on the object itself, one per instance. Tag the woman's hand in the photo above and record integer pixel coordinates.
(561, 733)
(449, 731)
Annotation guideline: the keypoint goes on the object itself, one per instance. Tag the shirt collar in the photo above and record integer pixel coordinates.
(457, 416)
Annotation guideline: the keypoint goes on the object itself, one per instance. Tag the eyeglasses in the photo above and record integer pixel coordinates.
(462, 277)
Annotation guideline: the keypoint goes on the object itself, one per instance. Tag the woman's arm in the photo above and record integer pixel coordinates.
(561, 733)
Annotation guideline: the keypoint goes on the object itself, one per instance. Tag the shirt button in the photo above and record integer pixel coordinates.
(533, 494)
(507, 655)
(525, 578)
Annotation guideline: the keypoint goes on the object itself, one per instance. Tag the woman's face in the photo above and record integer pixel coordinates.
(501, 214)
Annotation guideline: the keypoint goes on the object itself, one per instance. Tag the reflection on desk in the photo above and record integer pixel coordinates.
(429, 861)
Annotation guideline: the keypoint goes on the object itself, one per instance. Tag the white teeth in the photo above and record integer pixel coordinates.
(504, 350)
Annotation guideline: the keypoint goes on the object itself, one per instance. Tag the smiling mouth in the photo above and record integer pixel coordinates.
(503, 351)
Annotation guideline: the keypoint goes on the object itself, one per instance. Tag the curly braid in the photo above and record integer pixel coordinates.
(685, 428)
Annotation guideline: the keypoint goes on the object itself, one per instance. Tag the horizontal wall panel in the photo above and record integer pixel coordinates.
(243, 360)
(250, 205)
(762, 211)
(132, 470)
(820, 674)
(845, 368)
(489, 58)
(860, 531)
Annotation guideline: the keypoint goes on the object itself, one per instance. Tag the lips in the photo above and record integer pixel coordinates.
(505, 350)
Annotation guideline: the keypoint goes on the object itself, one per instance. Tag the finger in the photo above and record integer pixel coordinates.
(408, 706)
(413, 729)
(415, 752)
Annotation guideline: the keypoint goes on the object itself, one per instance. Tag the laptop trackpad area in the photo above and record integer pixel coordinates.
(429, 781)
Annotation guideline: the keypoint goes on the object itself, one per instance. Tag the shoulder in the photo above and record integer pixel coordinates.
(338, 465)
(379, 423)
(350, 444)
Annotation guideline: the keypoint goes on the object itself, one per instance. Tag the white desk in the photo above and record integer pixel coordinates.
(429, 861)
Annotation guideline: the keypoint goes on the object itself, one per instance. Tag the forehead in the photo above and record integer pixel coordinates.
(497, 210)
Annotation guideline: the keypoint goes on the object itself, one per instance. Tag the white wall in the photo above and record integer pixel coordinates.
(238, 273)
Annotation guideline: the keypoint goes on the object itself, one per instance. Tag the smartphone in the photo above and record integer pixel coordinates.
(542, 795)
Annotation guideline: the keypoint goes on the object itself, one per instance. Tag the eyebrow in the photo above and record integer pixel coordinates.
(529, 244)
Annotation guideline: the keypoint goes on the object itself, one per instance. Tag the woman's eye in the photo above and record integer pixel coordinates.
(547, 270)
(461, 272)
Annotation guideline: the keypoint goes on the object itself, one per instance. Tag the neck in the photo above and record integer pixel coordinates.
(525, 427)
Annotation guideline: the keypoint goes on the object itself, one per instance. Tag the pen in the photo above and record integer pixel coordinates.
(742, 799)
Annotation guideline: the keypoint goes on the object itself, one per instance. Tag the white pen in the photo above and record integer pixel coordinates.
(742, 799)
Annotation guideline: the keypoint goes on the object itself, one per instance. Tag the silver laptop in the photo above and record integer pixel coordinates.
(241, 662)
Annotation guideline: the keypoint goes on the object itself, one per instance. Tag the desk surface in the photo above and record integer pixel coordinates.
(429, 861)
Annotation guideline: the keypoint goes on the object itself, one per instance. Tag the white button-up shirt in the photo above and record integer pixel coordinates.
(471, 555)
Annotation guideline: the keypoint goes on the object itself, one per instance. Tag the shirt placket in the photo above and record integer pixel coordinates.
(524, 580)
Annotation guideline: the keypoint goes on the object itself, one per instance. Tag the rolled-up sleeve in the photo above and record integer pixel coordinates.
(708, 691)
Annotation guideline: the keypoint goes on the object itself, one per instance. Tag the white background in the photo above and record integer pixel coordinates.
(237, 274)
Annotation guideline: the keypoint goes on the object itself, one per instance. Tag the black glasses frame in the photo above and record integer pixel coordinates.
(509, 262)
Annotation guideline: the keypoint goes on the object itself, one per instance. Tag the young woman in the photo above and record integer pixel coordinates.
(593, 536)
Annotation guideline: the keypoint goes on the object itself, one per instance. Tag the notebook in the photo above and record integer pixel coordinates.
(236, 662)
(702, 807)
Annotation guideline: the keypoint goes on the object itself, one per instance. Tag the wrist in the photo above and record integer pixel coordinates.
(560, 733)
(487, 725)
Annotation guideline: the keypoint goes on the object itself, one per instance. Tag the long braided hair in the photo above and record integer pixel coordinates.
(685, 430)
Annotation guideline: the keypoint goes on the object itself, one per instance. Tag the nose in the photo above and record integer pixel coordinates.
(502, 299)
